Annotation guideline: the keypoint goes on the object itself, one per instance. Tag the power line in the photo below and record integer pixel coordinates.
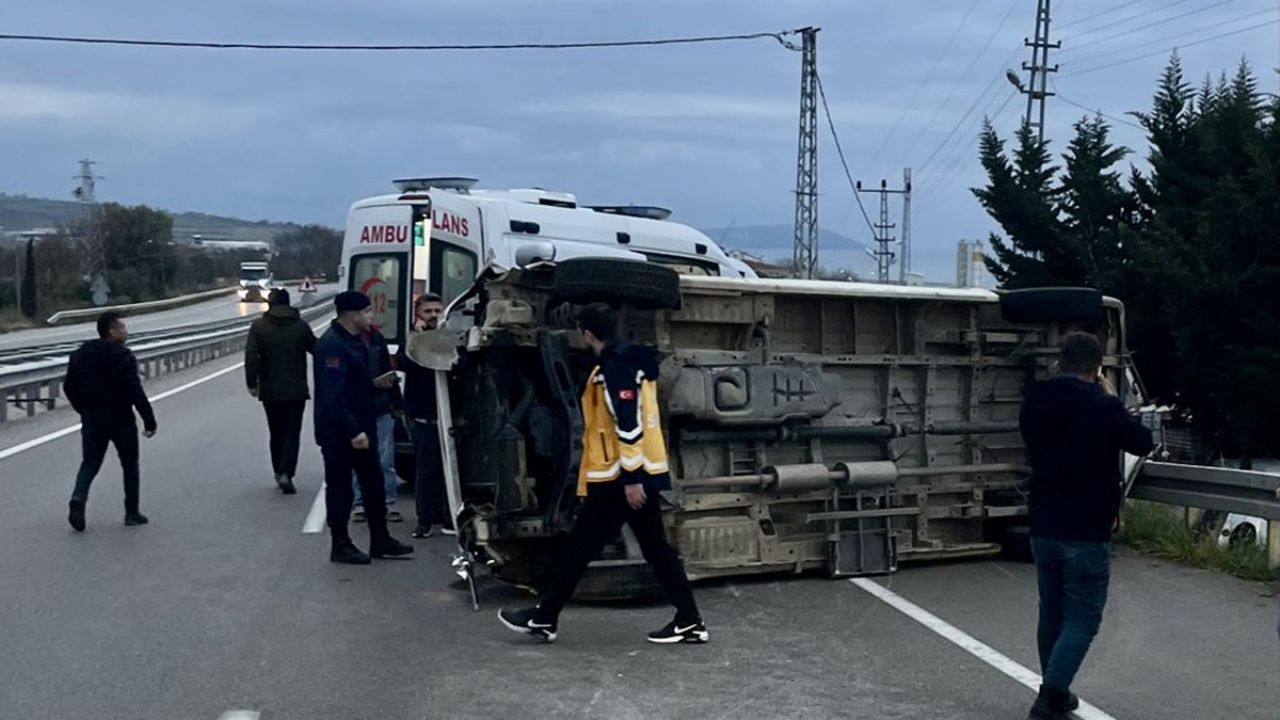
(1087, 18)
(955, 156)
(1167, 38)
(969, 70)
(1112, 118)
(840, 151)
(1117, 23)
(927, 78)
(990, 86)
(67, 39)
(1148, 26)
(1164, 51)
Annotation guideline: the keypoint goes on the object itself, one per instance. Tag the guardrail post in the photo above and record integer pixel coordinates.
(1273, 544)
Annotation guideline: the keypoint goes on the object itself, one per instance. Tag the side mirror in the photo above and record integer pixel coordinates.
(535, 252)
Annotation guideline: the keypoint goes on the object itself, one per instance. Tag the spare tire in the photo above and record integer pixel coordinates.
(646, 285)
(1054, 304)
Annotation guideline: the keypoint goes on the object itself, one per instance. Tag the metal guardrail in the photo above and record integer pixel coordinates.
(1231, 490)
(39, 385)
(82, 313)
(34, 353)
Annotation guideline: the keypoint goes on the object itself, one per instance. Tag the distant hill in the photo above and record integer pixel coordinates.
(19, 212)
(774, 243)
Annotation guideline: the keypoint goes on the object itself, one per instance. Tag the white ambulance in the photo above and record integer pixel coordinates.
(437, 234)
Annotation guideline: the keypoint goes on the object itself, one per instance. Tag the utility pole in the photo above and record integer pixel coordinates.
(95, 250)
(805, 252)
(883, 255)
(904, 264)
(1036, 90)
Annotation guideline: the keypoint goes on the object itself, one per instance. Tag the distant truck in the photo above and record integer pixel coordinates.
(256, 281)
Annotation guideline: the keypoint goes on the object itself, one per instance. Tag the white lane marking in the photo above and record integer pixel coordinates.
(968, 643)
(37, 442)
(45, 439)
(240, 715)
(316, 517)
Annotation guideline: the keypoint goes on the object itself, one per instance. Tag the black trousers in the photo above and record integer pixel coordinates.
(599, 520)
(339, 463)
(284, 421)
(428, 480)
(94, 439)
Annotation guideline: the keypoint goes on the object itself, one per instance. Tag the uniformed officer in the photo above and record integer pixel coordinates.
(347, 431)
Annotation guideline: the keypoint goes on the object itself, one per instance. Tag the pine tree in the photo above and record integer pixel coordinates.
(1060, 231)
(1209, 285)
(1020, 198)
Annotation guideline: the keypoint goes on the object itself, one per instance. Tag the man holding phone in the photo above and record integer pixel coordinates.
(347, 432)
(1074, 427)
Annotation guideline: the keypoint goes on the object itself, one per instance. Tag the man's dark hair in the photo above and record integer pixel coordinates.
(279, 296)
(600, 320)
(425, 298)
(1080, 354)
(106, 321)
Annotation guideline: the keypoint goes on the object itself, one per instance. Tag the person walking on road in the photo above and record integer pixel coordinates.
(1074, 428)
(103, 386)
(420, 407)
(347, 432)
(275, 369)
(623, 470)
(388, 403)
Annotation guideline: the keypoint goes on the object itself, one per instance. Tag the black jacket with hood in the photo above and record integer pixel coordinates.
(275, 357)
(1074, 433)
(102, 385)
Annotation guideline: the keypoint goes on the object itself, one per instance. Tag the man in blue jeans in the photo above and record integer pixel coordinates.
(1074, 428)
(388, 402)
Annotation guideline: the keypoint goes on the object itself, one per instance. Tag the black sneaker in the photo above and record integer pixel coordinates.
(388, 547)
(347, 553)
(676, 632)
(422, 532)
(285, 483)
(76, 514)
(135, 518)
(357, 515)
(521, 621)
(1052, 704)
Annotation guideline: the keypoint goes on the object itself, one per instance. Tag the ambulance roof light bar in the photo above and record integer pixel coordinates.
(649, 212)
(460, 185)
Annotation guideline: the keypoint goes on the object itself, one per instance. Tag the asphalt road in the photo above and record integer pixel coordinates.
(221, 308)
(223, 604)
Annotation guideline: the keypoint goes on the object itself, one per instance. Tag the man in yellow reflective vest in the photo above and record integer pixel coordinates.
(623, 468)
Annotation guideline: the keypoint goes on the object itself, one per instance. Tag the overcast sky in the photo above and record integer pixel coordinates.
(709, 130)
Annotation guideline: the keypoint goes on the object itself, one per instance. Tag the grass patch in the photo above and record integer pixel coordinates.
(11, 319)
(1162, 530)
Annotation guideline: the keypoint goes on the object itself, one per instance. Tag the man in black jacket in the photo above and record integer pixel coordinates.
(275, 369)
(1074, 428)
(420, 407)
(347, 432)
(102, 385)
